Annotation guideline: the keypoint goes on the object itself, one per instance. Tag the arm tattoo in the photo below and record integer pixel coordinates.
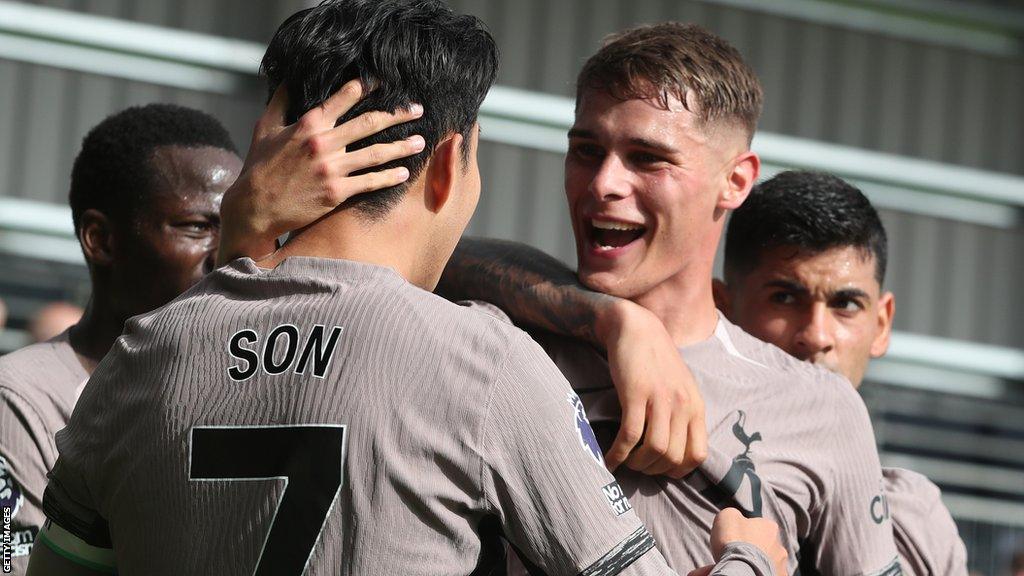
(533, 288)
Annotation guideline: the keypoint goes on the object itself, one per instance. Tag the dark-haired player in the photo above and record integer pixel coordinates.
(805, 261)
(330, 415)
(145, 196)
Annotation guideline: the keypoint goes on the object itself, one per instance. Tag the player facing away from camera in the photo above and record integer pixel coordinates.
(805, 262)
(145, 196)
(329, 415)
(146, 192)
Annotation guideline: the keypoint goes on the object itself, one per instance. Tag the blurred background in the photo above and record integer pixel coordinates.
(919, 102)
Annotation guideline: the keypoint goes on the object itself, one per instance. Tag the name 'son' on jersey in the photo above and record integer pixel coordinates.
(283, 349)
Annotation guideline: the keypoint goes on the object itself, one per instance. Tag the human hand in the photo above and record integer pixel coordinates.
(661, 404)
(731, 526)
(296, 174)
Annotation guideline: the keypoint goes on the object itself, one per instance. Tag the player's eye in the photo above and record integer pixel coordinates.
(645, 158)
(585, 151)
(847, 305)
(196, 226)
(782, 297)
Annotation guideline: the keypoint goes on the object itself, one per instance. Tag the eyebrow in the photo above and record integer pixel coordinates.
(786, 285)
(852, 293)
(642, 142)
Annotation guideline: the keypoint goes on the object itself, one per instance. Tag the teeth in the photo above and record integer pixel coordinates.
(606, 225)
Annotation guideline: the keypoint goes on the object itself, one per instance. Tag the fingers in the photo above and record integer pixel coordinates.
(324, 117)
(657, 435)
(364, 183)
(673, 463)
(380, 154)
(702, 571)
(272, 118)
(696, 449)
(370, 123)
(630, 432)
(697, 445)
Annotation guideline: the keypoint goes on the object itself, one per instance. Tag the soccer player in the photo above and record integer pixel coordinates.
(805, 260)
(658, 155)
(329, 415)
(145, 195)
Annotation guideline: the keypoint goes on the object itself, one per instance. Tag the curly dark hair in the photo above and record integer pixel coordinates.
(112, 172)
(811, 211)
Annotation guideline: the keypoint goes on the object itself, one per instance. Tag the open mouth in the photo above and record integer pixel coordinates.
(607, 235)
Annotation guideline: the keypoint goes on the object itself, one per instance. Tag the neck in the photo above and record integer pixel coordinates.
(685, 303)
(686, 309)
(392, 242)
(93, 336)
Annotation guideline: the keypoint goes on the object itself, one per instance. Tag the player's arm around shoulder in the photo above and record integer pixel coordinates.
(850, 523)
(542, 474)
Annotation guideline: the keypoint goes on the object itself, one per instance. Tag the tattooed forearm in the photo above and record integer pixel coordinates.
(533, 288)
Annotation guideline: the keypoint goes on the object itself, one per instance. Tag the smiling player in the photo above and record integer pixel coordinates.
(330, 415)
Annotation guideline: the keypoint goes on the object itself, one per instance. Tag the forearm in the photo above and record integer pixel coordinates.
(533, 288)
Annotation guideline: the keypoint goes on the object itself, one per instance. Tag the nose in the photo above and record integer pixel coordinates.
(816, 336)
(611, 182)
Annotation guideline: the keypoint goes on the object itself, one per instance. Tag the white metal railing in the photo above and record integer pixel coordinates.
(44, 231)
(979, 28)
(207, 63)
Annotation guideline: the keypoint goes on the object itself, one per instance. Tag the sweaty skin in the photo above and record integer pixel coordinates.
(826, 308)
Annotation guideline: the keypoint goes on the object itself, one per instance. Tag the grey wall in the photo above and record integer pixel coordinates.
(822, 82)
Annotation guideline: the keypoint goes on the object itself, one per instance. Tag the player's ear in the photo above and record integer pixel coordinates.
(886, 312)
(442, 173)
(96, 235)
(720, 291)
(739, 180)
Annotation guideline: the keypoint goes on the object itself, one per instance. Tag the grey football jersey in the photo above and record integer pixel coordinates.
(326, 417)
(39, 385)
(926, 536)
(788, 441)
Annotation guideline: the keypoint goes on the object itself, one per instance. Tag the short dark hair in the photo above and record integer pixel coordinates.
(811, 211)
(676, 60)
(406, 52)
(113, 174)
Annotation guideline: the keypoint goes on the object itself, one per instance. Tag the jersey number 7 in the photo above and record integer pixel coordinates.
(309, 458)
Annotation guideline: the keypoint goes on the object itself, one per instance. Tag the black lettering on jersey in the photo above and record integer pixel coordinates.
(318, 351)
(270, 348)
(249, 357)
(280, 350)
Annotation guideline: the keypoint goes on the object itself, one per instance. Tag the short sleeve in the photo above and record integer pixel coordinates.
(852, 523)
(544, 476)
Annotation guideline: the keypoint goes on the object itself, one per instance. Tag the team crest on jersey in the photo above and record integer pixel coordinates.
(10, 494)
(586, 434)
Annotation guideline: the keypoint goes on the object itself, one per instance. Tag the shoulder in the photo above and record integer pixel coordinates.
(38, 371)
(815, 385)
(911, 492)
(926, 534)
